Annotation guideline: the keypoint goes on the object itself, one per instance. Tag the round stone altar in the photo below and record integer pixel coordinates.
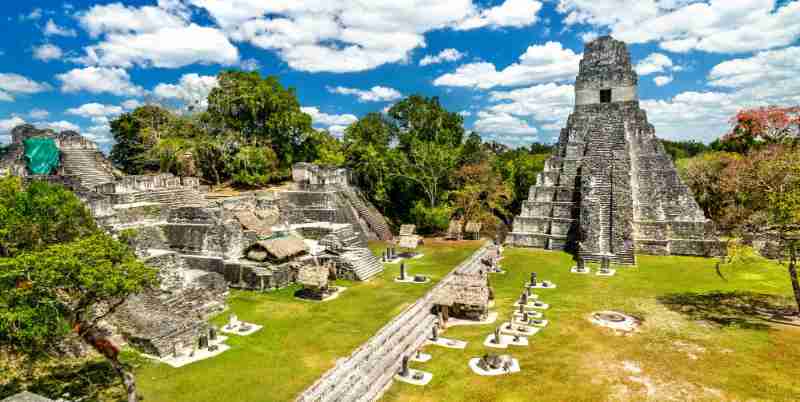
(614, 320)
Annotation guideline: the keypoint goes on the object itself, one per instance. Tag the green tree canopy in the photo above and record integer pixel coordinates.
(39, 215)
(424, 119)
(262, 110)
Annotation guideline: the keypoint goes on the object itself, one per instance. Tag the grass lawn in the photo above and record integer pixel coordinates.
(699, 340)
(300, 340)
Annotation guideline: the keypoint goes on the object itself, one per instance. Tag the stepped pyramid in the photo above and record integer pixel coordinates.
(610, 189)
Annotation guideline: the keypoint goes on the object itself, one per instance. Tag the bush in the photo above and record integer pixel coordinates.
(431, 220)
(254, 166)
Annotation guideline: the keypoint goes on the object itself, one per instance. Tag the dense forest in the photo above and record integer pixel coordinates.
(418, 164)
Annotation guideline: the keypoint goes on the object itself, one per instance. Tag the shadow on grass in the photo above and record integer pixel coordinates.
(92, 381)
(747, 310)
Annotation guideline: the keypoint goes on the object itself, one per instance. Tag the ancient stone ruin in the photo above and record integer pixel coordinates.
(610, 189)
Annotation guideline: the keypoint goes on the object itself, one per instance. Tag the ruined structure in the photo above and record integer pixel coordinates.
(610, 189)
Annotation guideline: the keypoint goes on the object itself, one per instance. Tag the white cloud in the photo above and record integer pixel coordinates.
(51, 28)
(374, 94)
(465, 113)
(769, 67)
(512, 13)
(539, 63)
(250, 65)
(47, 52)
(12, 84)
(443, 56)
(327, 120)
(546, 102)
(35, 14)
(353, 35)
(192, 89)
(683, 25)
(587, 37)
(38, 114)
(167, 48)
(502, 123)
(100, 134)
(131, 104)
(97, 112)
(6, 125)
(61, 125)
(662, 80)
(116, 18)
(158, 36)
(99, 80)
(654, 63)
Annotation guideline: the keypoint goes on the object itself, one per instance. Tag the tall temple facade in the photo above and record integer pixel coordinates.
(610, 189)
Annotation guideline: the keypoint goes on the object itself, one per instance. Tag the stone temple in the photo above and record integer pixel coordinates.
(610, 189)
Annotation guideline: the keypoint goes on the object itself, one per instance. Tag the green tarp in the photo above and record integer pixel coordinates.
(42, 155)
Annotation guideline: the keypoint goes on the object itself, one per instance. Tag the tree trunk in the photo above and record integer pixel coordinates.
(106, 348)
(128, 381)
(793, 274)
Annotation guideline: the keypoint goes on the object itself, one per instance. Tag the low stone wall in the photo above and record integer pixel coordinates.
(368, 372)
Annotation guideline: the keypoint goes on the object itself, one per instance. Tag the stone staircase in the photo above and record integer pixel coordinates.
(363, 263)
(348, 237)
(366, 211)
(83, 164)
(601, 196)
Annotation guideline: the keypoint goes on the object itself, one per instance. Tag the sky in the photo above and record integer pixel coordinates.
(507, 66)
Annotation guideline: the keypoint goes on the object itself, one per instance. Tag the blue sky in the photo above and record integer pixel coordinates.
(507, 65)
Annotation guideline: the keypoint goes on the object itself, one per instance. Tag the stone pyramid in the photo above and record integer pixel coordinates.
(610, 189)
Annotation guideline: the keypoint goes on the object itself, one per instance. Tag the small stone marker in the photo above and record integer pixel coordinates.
(404, 369)
(533, 278)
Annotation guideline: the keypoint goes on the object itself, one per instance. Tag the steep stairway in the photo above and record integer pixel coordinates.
(374, 219)
(363, 263)
(83, 164)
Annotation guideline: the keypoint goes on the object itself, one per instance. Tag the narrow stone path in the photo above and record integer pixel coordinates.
(368, 372)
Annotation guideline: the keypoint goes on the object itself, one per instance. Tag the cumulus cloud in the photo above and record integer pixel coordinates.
(61, 125)
(662, 80)
(38, 114)
(353, 35)
(12, 84)
(51, 28)
(131, 104)
(6, 125)
(502, 123)
(654, 63)
(158, 36)
(47, 52)
(539, 63)
(99, 80)
(766, 78)
(512, 13)
(374, 94)
(443, 56)
(334, 123)
(681, 25)
(97, 112)
(192, 89)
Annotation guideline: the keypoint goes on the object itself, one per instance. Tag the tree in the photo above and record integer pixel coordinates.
(70, 287)
(767, 185)
(429, 165)
(704, 174)
(367, 153)
(261, 110)
(753, 128)
(59, 274)
(424, 119)
(481, 196)
(40, 215)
